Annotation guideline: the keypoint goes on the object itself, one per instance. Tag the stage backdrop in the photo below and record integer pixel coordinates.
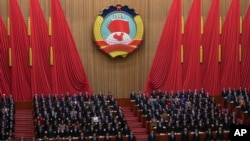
(119, 75)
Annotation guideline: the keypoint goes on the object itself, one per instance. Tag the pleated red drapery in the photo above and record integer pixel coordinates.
(68, 72)
(191, 42)
(245, 64)
(4, 66)
(40, 44)
(19, 43)
(230, 65)
(165, 72)
(210, 41)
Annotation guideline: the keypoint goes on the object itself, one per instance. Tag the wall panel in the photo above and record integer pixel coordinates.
(118, 75)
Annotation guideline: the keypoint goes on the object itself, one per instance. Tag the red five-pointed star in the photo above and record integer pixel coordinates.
(118, 7)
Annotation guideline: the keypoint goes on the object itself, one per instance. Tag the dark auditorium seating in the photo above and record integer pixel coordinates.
(74, 116)
(237, 101)
(7, 113)
(192, 109)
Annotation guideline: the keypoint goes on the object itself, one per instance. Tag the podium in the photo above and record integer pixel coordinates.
(165, 137)
(135, 109)
(143, 120)
(244, 117)
(161, 137)
(148, 126)
(230, 106)
(237, 111)
(139, 114)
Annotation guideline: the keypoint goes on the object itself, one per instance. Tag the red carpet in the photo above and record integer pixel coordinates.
(139, 131)
(131, 118)
(24, 125)
(128, 114)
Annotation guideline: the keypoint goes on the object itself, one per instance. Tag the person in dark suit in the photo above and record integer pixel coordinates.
(116, 129)
(192, 126)
(126, 130)
(196, 136)
(100, 131)
(219, 135)
(91, 131)
(172, 136)
(109, 130)
(58, 138)
(94, 137)
(201, 127)
(3, 135)
(207, 124)
(50, 132)
(82, 137)
(75, 132)
(209, 135)
(67, 131)
(40, 132)
(132, 95)
(169, 127)
(107, 137)
(152, 136)
(177, 127)
(119, 137)
(131, 136)
(159, 128)
(226, 124)
(185, 135)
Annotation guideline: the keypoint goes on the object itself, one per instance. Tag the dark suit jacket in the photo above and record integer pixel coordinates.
(219, 136)
(151, 137)
(196, 137)
(171, 138)
(185, 137)
(107, 139)
(119, 138)
(159, 129)
(81, 139)
(96, 139)
(131, 138)
(209, 137)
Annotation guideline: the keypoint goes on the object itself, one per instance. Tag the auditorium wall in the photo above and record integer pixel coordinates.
(117, 75)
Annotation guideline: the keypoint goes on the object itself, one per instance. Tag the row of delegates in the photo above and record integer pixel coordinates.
(161, 94)
(201, 113)
(73, 109)
(64, 130)
(64, 124)
(67, 102)
(238, 97)
(95, 137)
(209, 136)
(7, 120)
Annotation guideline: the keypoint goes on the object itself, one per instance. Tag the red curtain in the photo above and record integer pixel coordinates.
(230, 65)
(210, 41)
(19, 43)
(4, 66)
(191, 43)
(245, 64)
(40, 44)
(165, 72)
(68, 74)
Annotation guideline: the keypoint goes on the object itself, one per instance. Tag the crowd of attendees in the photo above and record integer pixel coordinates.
(7, 114)
(184, 112)
(239, 98)
(91, 116)
(78, 116)
(94, 115)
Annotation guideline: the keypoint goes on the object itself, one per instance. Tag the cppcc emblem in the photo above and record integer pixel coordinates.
(118, 30)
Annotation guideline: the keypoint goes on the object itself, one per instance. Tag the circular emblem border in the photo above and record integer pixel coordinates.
(118, 49)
